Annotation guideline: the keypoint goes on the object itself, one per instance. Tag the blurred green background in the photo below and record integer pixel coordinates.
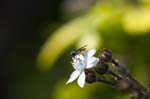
(37, 37)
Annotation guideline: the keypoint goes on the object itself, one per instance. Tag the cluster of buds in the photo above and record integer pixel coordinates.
(91, 69)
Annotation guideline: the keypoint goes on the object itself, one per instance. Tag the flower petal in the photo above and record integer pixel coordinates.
(73, 76)
(79, 66)
(90, 53)
(81, 79)
(81, 57)
(91, 62)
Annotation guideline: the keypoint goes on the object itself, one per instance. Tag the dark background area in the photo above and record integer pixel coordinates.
(19, 22)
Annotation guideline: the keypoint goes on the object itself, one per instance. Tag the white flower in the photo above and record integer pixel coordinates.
(80, 63)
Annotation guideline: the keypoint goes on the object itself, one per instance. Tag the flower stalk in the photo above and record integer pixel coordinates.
(120, 79)
(137, 90)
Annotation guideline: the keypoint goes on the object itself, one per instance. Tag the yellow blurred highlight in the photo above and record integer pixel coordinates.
(137, 21)
(145, 2)
(58, 42)
(64, 37)
(91, 39)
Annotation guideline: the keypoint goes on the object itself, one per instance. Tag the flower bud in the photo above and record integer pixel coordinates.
(102, 69)
(107, 50)
(106, 55)
(90, 76)
(123, 69)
